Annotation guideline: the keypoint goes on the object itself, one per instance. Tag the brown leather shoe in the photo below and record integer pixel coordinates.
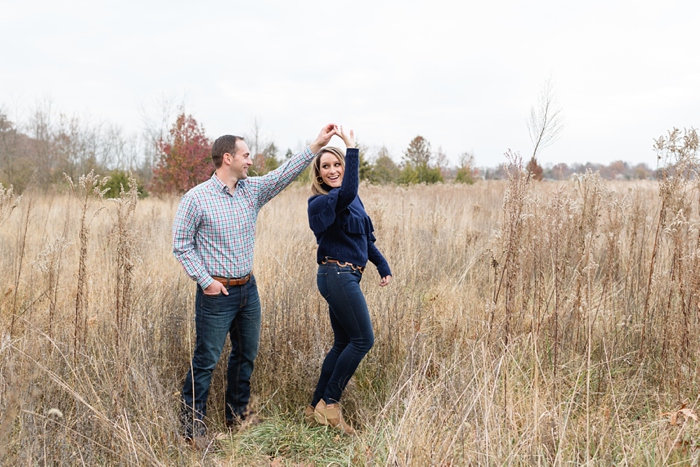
(239, 424)
(251, 420)
(331, 415)
(197, 443)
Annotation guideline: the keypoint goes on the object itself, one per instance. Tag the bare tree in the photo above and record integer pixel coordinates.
(441, 159)
(41, 128)
(545, 123)
(262, 148)
(465, 168)
(466, 159)
(118, 150)
(156, 127)
(11, 146)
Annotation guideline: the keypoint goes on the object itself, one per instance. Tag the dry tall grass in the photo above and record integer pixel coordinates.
(528, 323)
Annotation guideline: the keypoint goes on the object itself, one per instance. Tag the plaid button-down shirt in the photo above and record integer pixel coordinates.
(214, 229)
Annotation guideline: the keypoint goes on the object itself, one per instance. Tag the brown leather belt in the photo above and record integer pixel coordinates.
(342, 265)
(233, 282)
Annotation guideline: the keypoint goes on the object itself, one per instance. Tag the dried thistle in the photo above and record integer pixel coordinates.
(8, 202)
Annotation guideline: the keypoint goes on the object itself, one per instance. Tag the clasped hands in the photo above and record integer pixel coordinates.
(327, 133)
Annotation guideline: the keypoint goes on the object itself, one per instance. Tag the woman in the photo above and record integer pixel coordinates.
(345, 242)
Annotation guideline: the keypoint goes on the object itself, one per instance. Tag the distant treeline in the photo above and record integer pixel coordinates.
(173, 156)
(617, 170)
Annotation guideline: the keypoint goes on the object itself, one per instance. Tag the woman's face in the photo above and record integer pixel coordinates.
(331, 170)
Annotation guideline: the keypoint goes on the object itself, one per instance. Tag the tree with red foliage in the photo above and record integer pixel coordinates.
(535, 169)
(185, 158)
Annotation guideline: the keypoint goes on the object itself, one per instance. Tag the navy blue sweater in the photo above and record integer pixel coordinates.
(342, 227)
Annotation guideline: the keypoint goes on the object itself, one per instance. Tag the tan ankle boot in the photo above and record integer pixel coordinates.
(309, 415)
(320, 413)
(332, 415)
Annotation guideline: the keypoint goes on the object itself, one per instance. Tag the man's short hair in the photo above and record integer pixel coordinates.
(222, 145)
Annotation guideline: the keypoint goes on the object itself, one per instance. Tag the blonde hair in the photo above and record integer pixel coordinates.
(317, 185)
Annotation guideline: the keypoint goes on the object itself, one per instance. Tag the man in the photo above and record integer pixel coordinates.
(213, 238)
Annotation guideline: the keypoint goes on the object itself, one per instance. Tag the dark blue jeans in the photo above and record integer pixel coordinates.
(352, 329)
(238, 315)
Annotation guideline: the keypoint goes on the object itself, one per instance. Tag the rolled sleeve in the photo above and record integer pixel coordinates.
(270, 185)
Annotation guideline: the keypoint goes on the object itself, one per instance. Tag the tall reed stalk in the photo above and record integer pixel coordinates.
(124, 234)
(90, 188)
(21, 249)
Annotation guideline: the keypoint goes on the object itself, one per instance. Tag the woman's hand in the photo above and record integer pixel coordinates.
(384, 281)
(348, 138)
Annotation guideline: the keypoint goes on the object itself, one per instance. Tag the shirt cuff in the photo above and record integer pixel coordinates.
(206, 282)
(384, 270)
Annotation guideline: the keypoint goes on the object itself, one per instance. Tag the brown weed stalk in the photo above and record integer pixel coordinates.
(124, 234)
(88, 189)
(22, 244)
(679, 152)
(49, 263)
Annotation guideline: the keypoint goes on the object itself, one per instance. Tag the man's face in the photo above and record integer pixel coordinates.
(241, 161)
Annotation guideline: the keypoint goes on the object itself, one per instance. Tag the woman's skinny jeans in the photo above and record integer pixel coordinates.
(352, 329)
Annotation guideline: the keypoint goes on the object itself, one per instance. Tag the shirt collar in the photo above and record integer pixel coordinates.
(221, 186)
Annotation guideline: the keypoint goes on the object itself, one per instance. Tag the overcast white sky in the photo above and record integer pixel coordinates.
(463, 74)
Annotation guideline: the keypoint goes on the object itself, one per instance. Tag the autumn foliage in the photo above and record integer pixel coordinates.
(535, 169)
(185, 158)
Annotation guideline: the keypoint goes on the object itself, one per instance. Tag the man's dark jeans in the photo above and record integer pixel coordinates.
(352, 329)
(238, 315)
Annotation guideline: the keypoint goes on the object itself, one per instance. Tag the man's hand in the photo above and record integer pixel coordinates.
(386, 280)
(324, 137)
(215, 288)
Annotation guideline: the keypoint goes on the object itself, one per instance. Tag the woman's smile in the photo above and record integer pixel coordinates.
(331, 170)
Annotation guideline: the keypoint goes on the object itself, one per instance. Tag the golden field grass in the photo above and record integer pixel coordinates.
(527, 324)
